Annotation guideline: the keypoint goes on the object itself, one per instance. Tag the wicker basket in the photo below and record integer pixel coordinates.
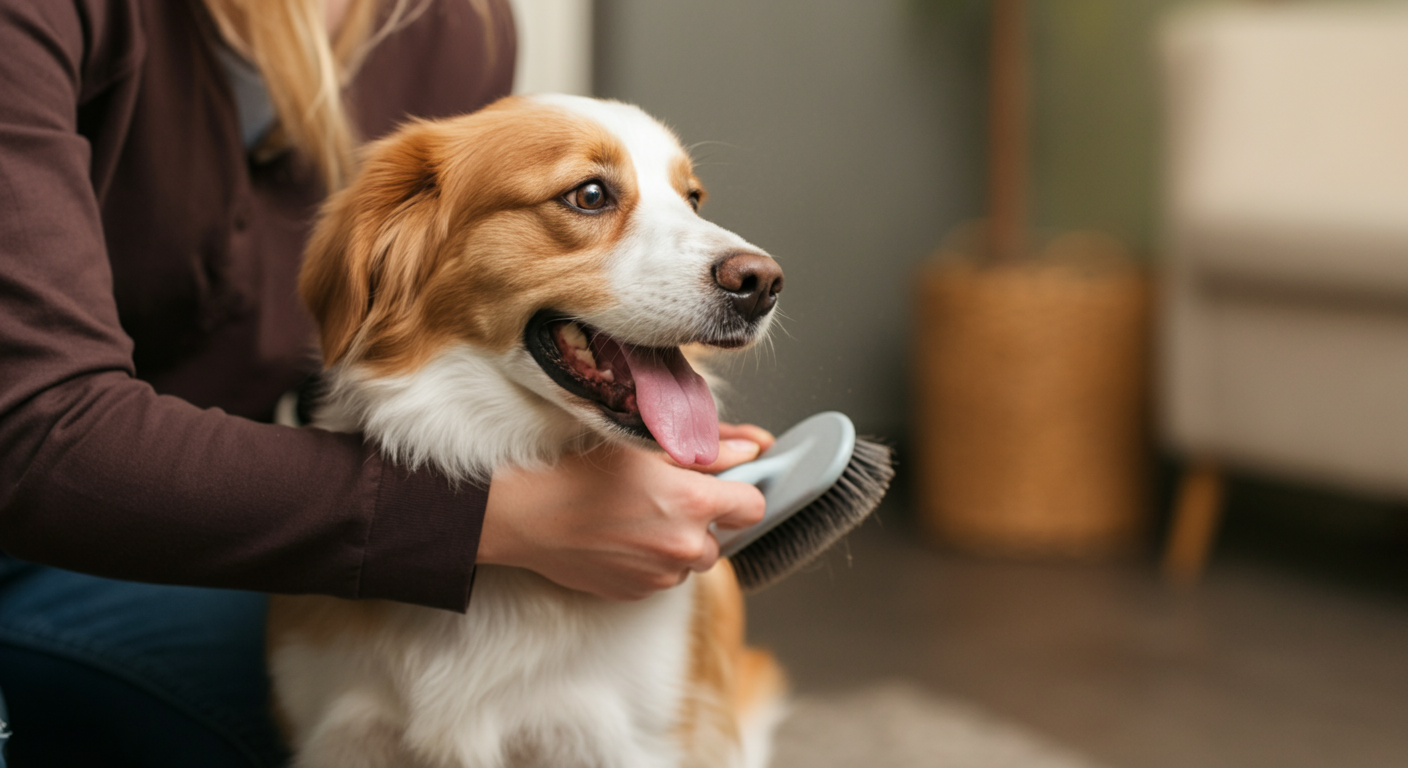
(1032, 400)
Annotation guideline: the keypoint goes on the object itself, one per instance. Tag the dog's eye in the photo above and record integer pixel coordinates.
(694, 198)
(588, 197)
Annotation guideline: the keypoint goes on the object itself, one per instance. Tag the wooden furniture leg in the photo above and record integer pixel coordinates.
(1195, 522)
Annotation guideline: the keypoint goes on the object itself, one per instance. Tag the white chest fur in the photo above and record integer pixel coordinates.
(532, 675)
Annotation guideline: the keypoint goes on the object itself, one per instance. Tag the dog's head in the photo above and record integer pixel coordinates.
(558, 239)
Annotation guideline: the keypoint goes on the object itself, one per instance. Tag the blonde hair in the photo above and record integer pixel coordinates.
(305, 68)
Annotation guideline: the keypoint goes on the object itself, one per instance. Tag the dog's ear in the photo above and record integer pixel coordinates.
(374, 241)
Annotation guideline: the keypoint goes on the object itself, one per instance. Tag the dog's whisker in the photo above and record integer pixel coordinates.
(709, 143)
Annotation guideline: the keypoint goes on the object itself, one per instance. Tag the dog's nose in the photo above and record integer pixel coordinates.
(751, 281)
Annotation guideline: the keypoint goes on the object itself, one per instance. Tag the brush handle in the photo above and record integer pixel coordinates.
(758, 473)
(802, 465)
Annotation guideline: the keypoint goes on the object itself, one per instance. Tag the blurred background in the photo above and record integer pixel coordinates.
(1126, 283)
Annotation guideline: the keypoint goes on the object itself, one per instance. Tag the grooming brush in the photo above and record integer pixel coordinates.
(820, 481)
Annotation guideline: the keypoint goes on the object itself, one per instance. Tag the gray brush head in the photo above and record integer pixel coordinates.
(820, 481)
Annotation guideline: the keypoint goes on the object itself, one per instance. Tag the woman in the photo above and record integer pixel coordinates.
(160, 162)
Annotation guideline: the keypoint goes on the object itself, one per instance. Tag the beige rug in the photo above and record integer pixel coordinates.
(898, 725)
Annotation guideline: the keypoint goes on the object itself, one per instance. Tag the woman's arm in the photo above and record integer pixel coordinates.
(101, 474)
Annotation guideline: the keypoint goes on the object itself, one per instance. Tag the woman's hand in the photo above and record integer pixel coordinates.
(618, 522)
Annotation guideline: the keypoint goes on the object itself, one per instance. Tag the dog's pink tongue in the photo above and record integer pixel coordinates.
(675, 404)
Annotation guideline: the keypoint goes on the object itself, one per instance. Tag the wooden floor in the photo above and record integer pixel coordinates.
(1292, 652)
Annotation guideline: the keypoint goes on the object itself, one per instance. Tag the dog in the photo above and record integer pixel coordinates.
(495, 290)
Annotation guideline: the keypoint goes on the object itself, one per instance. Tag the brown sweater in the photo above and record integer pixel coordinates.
(148, 319)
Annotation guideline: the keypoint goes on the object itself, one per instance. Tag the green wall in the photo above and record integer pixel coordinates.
(1096, 107)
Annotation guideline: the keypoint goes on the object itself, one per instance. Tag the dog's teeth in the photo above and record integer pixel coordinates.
(585, 355)
(608, 375)
(572, 334)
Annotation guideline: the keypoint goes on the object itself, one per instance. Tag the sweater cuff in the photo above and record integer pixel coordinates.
(423, 539)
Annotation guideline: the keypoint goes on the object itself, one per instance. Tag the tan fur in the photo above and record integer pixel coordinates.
(684, 181)
(729, 677)
(387, 268)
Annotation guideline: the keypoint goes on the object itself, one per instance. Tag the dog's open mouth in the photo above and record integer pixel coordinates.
(650, 391)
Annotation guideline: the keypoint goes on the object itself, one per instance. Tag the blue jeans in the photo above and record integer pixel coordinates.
(112, 673)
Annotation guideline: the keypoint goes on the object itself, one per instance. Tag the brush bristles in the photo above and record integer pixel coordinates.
(812, 530)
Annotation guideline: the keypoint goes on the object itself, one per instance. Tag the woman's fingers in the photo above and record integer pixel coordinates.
(750, 432)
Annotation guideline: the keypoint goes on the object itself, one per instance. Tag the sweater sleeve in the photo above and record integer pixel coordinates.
(100, 473)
